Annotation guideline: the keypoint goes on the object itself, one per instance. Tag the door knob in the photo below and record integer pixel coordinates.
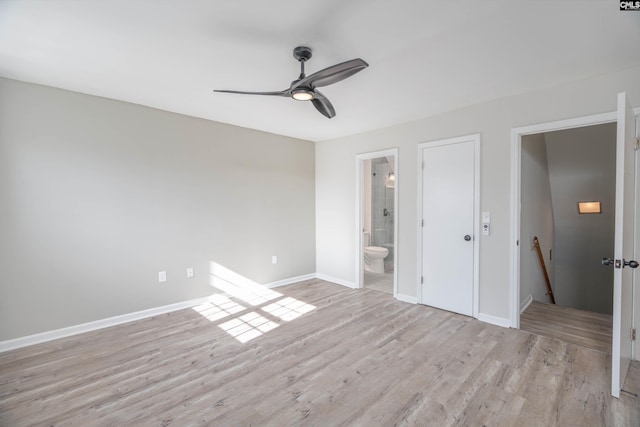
(467, 238)
(632, 263)
(607, 261)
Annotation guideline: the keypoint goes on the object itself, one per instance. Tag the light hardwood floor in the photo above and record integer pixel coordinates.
(341, 357)
(585, 328)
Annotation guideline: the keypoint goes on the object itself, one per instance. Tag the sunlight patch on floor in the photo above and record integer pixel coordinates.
(288, 308)
(218, 307)
(248, 326)
(238, 321)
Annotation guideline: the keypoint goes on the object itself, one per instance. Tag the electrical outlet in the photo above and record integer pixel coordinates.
(162, 276)
(190, 272)
(274, 259)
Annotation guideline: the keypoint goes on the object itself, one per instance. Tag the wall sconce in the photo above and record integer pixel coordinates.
(589, 208)
(391, 180)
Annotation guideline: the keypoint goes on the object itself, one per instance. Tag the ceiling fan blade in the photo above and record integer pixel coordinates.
(333, 74)
(285, 92)
(323, 105)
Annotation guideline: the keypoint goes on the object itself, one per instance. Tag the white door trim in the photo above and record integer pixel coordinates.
(475, 139)
(516, 148)
(635, 321)
(360, 215)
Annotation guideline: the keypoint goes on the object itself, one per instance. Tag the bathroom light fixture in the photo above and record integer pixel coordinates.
(589, 208)
(391, 180)
(302, 94)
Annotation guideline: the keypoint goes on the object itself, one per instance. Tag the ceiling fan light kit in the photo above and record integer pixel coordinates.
(302, 94)
(304, 87)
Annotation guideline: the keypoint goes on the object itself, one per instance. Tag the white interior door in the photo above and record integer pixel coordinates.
(447, 280)
(624, 245)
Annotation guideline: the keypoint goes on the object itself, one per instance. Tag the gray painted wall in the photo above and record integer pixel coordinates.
(335, 177)
(536, 219)
(582, 168)
(97, 196)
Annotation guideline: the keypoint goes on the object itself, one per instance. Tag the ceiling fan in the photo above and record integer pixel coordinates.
(304, 87)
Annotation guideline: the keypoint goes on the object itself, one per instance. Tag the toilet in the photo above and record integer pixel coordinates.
(373, 256)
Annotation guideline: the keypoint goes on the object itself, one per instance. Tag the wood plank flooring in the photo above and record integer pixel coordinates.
(315, 354)
(585, 328)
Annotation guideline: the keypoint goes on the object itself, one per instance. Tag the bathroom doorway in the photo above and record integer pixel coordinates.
(377, 211)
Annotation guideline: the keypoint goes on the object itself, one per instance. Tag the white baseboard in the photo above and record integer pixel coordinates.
(336, 281)
(290, 280)
(28, 340)
(55, 334)
(526, 303)
(494, 320)
(407, 298)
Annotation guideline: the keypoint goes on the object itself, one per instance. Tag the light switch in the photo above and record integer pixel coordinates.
(162, 276)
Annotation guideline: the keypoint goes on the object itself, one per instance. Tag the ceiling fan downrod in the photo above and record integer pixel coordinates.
(302, 54)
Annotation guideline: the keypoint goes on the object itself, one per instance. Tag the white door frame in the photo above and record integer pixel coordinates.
(635, 321)
(516, 149)
(475, 139)
(360, 158)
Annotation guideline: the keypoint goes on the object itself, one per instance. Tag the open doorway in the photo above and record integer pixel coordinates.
(559, 171)
(377, 221)
(625, 234)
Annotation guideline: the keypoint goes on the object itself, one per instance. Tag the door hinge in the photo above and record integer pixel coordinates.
(633, 334)
(637, 147)
(422, 165)
(421, 280)
(422, 223)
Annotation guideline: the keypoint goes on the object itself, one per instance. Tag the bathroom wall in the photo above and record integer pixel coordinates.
(382, 213)
(98, 196)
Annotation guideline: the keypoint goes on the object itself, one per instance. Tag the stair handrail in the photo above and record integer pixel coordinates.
(536, 242)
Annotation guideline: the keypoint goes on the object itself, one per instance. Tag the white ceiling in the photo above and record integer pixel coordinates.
(426, 57)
